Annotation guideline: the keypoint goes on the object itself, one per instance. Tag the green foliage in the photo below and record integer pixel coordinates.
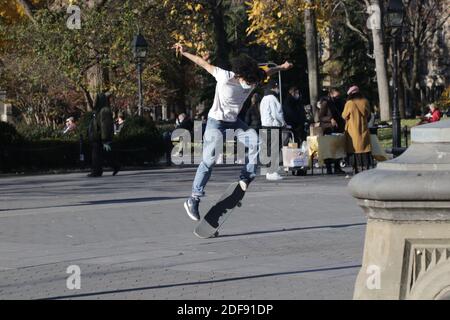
(36, 133)
(385, 135)
(47, 59)
(139, 143)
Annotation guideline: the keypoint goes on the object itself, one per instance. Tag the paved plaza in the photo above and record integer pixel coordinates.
(301, 238)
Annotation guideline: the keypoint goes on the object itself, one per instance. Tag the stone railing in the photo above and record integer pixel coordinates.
(407, 201)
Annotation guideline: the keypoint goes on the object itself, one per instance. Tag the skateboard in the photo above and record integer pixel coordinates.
(218, 213)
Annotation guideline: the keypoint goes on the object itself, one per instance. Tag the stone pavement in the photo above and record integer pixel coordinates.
(301, 238)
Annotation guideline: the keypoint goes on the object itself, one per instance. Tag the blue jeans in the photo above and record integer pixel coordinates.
(213, 145)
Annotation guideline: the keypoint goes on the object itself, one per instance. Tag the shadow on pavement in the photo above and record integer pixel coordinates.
(99, 202)
(292, 229)
(202, 282)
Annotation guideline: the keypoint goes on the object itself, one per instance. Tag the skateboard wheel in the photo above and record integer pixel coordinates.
(239, 204)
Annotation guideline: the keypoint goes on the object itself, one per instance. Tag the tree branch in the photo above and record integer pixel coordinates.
(433, 31)
(349, 24)
(27, 8)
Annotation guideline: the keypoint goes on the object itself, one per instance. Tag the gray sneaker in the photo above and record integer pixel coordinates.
(191, 207)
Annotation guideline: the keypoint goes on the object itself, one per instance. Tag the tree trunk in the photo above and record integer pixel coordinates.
(312, 57)
(222, 45)
(410, 79)
(415, 78)
(381, 69)
(401, 99)
(98, 79)
(27, 8)
(88, 98)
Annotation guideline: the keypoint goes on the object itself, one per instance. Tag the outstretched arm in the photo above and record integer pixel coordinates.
(196, 59)
(283, 67)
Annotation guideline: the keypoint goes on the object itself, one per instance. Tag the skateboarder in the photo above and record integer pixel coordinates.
(232, 90)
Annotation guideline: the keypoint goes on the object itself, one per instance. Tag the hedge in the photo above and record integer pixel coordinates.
(139, 143)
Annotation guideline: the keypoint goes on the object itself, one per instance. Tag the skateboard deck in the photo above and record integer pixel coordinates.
(219, 212)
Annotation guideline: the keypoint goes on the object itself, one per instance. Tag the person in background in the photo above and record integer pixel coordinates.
(331, 122)
(295, 115)
(183, 121)
(434, 115)
(70, 125)
(253, 116)
(356, 114)
(272, 118)
(100, 133)
(337, 107)
(119, 123)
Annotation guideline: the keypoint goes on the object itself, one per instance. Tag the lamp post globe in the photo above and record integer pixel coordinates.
(395, 14)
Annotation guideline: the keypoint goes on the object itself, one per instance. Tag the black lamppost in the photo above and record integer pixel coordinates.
(140, 47)
(395, 14)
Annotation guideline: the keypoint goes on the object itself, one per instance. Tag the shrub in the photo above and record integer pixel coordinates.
(139, 143)
(38, 133)
(8, 134)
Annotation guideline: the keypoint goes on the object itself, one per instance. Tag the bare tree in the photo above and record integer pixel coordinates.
(374, 8)
(423, 18)
(311, 43)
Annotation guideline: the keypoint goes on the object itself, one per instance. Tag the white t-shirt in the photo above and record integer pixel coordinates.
(229, 97)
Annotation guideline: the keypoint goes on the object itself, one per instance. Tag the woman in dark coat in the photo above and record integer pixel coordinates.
(253, 115)
(101, 131)
(295, 115)
(330, 123)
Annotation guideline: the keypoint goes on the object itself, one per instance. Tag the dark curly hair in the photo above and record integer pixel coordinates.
(247, 68)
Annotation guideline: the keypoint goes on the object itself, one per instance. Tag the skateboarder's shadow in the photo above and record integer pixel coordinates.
(339, 226)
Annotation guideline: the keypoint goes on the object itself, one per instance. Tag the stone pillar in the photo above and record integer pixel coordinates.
(407, 202)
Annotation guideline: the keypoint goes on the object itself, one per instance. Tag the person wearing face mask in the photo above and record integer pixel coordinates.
(272, 118)
(337, 107)
(253, 116)
(330, 120)
(232, 90)
(295, 115)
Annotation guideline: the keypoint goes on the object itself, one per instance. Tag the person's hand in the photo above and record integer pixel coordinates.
(334, 123)
(107, 147)
(286, 66)
(179, 50)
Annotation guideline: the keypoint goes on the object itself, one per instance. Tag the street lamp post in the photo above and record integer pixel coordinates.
(265, 67)
(395, 22)
(140, 47)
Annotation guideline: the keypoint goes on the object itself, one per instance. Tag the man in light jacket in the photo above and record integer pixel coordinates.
(272, 118)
